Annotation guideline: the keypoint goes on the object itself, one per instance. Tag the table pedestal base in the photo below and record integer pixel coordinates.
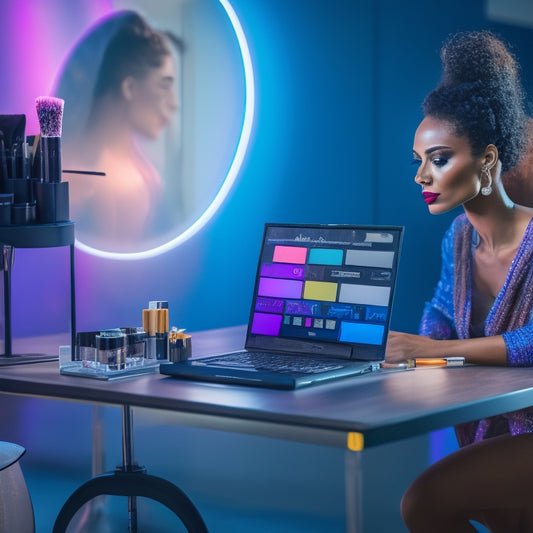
(132, 481)
(132, 484)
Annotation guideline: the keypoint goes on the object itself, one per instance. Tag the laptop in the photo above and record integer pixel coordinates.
(320, 310)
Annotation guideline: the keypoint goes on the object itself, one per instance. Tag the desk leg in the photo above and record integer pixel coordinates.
(128, 462)
(72, 303)
(353, 476)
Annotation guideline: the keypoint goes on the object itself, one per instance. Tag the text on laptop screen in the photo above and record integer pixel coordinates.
(326, 284)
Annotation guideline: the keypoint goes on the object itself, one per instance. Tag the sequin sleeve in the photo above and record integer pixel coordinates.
(519, 344)
(437, 318)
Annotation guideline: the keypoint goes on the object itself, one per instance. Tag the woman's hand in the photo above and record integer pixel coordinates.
(402, 346)
(480, 351)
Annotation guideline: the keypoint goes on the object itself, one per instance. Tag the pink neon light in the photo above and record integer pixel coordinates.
(290, 254)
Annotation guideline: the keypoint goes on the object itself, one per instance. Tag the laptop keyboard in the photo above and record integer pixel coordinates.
(276, 362)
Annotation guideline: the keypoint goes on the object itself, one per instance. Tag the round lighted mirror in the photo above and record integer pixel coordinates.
(159, 103)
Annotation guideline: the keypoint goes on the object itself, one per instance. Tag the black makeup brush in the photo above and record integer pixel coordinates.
(3, 159)
(50, 113)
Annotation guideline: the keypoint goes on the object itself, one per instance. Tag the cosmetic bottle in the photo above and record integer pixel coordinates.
(162, 334)
(158, 304)
(111, 349)
(85, 349)
(150, 327)
(135, 345)
(180, 347)
(155, 323)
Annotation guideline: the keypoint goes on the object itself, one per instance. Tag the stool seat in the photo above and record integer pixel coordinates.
(10, 453)
(16, 509)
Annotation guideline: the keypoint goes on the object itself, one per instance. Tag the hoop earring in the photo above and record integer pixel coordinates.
(485, 191)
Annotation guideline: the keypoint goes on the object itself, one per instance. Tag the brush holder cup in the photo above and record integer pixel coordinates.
(52, 202)
(21, 189)
(31, 201)
(6, 203)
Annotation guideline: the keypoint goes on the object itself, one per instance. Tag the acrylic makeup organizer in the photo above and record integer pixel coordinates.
(33, 236)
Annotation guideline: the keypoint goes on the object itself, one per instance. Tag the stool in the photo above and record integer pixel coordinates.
(16, 509)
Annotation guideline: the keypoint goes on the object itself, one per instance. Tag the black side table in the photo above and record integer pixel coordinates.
(33, 236)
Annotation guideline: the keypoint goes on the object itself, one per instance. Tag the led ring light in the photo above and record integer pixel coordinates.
(232, 172)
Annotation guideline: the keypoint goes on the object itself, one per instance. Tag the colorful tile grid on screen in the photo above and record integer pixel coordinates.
(325, 293)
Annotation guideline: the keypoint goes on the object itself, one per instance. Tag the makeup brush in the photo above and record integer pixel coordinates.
(3, 159)
(50, 113)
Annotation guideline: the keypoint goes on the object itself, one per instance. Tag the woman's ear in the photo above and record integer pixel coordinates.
(490, 157)
(127, 88)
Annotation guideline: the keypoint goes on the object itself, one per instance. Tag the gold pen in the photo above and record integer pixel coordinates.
(437, 361)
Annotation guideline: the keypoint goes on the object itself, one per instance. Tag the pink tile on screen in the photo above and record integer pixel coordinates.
(307, 322)
(290, 254)
(266, 324)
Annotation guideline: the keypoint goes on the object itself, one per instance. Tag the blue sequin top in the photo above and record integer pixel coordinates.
(447, 315)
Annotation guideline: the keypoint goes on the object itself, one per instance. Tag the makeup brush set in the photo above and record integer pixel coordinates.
(31, 190)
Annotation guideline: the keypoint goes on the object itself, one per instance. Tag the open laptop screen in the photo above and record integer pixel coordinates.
(325, 289)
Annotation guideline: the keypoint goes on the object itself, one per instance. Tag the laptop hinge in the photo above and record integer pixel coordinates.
(326, 349)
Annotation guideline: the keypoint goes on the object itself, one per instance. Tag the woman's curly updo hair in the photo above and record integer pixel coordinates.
(132, 51)
(481, 96)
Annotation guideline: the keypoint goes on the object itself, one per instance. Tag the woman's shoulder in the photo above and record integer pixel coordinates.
(458, 224)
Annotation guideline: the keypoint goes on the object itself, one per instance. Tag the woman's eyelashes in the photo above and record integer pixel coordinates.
(440, 161)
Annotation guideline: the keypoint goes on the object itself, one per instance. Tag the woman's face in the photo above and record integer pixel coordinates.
(153, 99)
(448, 172)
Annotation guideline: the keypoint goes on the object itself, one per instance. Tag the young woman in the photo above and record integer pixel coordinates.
(474, 129)
(134, 98)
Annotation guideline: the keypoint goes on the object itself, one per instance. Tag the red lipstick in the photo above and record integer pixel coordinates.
(430, 197)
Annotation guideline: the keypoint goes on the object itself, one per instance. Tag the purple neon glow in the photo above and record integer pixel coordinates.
(265, 324)
(39, 38)
(280, 288)
(276, 270)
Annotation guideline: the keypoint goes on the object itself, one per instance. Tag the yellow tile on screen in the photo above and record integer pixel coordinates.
(320, 290)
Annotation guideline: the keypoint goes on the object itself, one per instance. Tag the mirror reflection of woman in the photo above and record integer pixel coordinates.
(474, 128)
(134, 97)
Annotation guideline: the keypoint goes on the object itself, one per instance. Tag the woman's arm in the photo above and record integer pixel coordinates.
(438, 315)
(481, 351)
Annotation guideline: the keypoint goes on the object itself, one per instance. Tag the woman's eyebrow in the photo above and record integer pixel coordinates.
(434, 148)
